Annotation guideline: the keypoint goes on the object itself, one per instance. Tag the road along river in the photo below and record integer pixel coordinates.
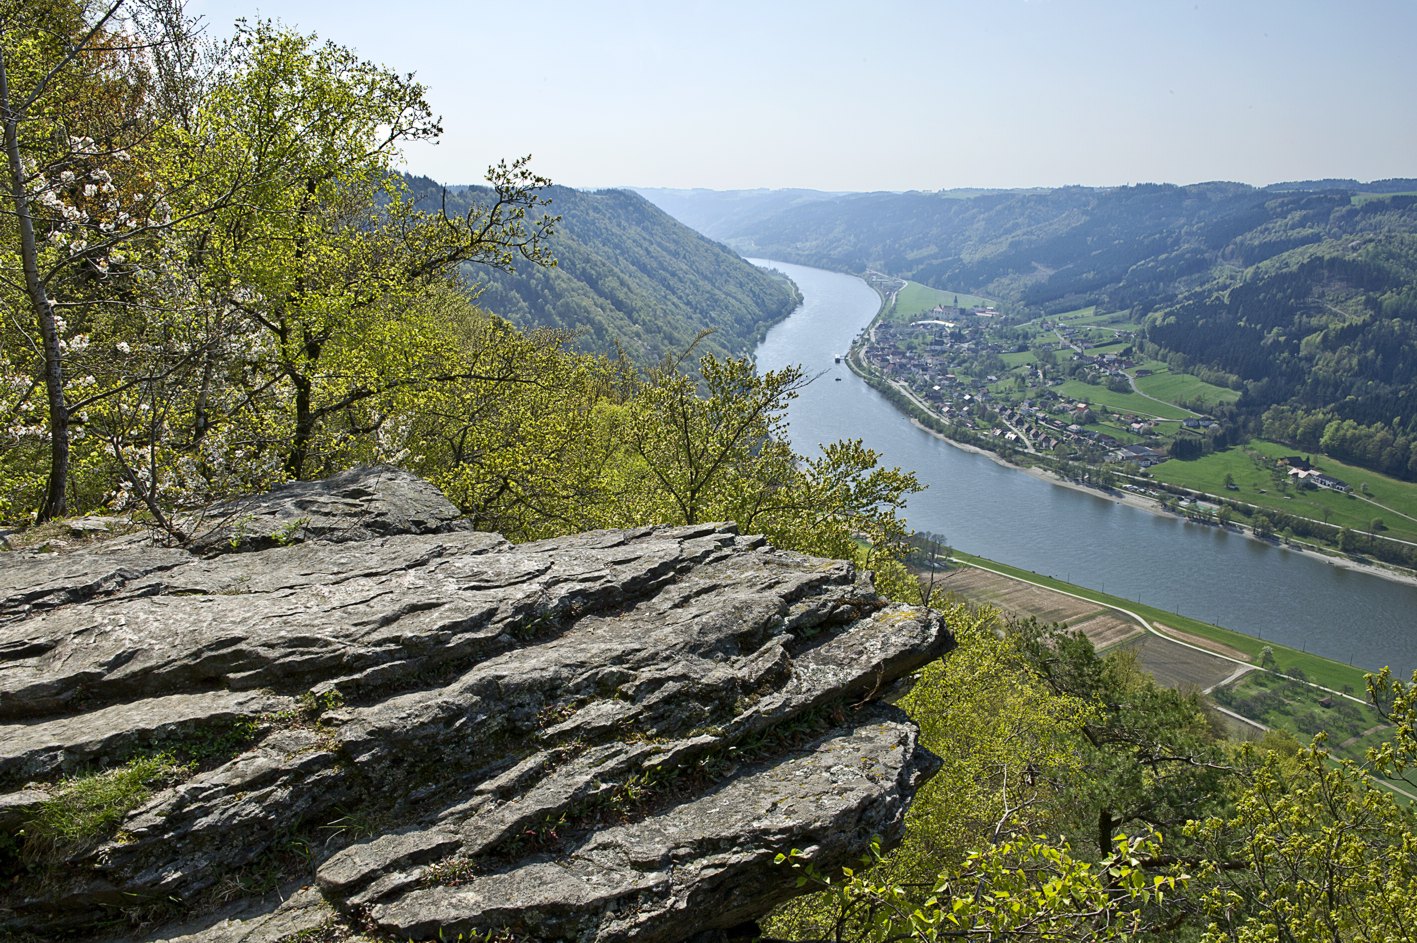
(1009, 515)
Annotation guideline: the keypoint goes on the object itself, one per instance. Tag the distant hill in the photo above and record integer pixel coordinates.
(1302, 295)
(724, 214)
(629, 277)
(720, 213)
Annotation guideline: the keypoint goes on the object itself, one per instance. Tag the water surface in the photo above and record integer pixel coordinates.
(1015, 517)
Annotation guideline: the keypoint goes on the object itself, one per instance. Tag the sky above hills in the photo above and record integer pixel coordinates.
(895, 94)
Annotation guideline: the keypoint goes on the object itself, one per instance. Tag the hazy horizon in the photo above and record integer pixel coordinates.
(1014, 94)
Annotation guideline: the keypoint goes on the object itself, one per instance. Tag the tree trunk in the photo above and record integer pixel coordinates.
(304, 428)
(55, 500)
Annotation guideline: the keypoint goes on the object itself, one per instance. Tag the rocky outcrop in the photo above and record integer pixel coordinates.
(342, 713)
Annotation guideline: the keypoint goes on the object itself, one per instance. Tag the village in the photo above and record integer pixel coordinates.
(1049, 388)
(950, 363)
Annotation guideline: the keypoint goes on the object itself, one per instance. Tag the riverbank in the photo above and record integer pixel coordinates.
(1154, 506)
(855, 362)
(984, 507)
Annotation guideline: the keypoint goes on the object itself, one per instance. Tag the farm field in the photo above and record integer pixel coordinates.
(1258, 481)
(916, 298)
(1179, 667)
(1184, 388)
(1118, 402)
(1016, 596)
(1107, 628)
(1210, 644)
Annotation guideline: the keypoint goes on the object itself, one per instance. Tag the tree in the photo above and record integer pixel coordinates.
(723, 454)
(1312, 852)
(326, 260)
(719, 456)
(81, 97)
(1347, 540)
(931, 551)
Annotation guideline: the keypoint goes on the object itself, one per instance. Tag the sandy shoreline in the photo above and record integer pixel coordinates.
(1153, 506)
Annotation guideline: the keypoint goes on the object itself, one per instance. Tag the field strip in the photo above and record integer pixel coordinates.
(1146, 624)
(1248, 666)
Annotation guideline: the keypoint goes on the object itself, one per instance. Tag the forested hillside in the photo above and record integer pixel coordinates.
(628, 277)
(1299, 295)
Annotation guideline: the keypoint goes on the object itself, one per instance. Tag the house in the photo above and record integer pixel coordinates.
(1317, 478)
(1143, 455)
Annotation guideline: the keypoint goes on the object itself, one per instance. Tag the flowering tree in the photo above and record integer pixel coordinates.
(83, 138)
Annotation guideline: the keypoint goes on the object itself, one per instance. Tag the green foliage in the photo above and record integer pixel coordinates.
(1397, 703)
(246, 293)
(1029, 888)
(1312, 851)
(1266, 841)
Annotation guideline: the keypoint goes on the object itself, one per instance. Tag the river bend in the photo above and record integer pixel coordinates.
(1015, 517)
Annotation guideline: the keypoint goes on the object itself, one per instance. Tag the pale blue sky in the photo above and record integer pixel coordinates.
(895, 94)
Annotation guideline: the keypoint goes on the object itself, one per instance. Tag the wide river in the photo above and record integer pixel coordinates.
(1015, 517)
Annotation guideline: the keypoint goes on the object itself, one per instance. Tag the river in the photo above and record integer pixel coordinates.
(1009, 515)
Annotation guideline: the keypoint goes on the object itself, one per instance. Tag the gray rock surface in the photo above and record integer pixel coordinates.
(602, 737)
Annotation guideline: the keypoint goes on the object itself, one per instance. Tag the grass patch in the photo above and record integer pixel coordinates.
(1330, 674)
(1400, 496)
(1360, 198)
(1128, 403)
(1184, 388)
(1106, 345)
(1121, 434)
(915, 299)
(1259, 482)
(86, 810)
(1091, 317)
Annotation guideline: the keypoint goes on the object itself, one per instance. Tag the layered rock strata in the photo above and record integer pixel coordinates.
(363, 719)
